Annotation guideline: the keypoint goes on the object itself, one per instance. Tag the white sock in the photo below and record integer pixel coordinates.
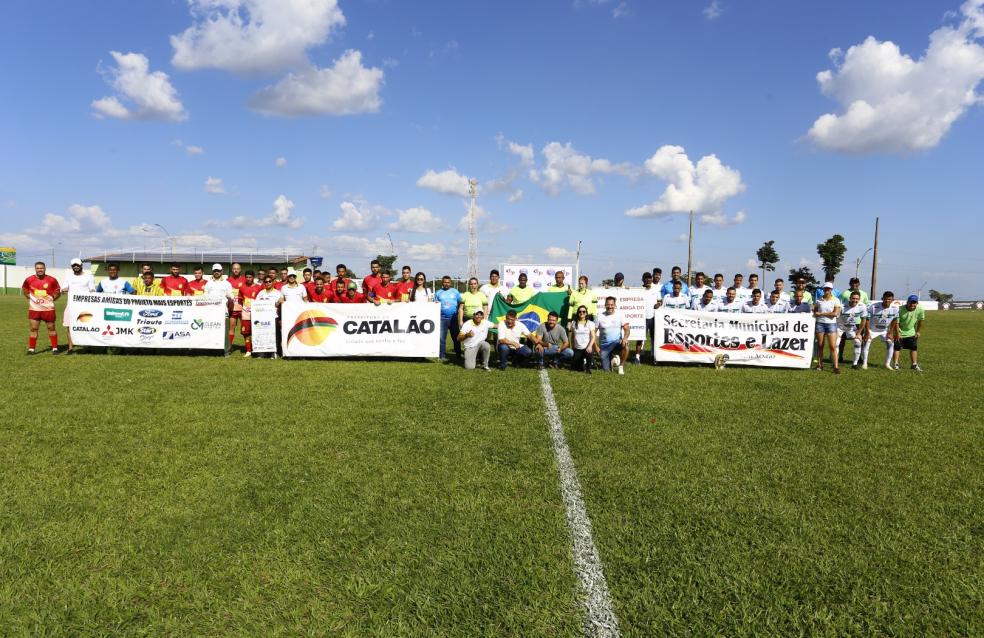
(889, 348)
(857, 351)
(864, 351)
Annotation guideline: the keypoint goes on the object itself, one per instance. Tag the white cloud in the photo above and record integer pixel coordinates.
(248, 36)
(703, 188)
(425, 252)
(189, 149)
(346, 88)
(79, 219)
(390, 63)
(324, 192)
(22, 241)
(713, 11)
(280, 162)
(751, 264)
(448, 182)
(620, 10)
(356, 215)
(214, 185)
(892, 103)
(483, 220)
(559, 254)
(565, 166)
(720, 219)
(149, 96)
(516, 196)
(360, 245)
(417, 220)
(282, 216)
(524, 152)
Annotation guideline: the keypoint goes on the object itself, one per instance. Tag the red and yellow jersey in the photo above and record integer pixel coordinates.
(248, 293)
(369, 283)
(358, 298)
(309, 287)
(236, 283)
(334, 281)
(279, 284)
(196, 287)
(41, 291)
(325, 296)
(386, 294)
(405, 288)
(174, 285)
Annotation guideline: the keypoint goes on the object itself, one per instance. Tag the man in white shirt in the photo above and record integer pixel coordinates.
(719, 291)
(613, 337)
(706, 302)
(742, 294)
(510, 332)
(781, 288)
(113, 284)
(77, 281)
(217, 286)
(651, 300)
(677, 299)
(776, 304)
(473, 335)
(755, 304)
(883, 323)
(730, 303)
(697, 290)
(852, 324)
(493, 288)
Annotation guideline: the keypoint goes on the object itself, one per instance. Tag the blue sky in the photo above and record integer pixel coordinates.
(606, 105)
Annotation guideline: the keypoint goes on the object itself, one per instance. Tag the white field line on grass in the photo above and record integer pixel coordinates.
(600, 617)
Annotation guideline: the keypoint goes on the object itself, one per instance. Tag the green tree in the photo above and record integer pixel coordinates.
(941, 297)
(767, 258)
(805, 273)
(386, 263)
(832, 254)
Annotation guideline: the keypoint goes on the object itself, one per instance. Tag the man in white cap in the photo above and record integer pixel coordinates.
(78, 281)
(217, 286)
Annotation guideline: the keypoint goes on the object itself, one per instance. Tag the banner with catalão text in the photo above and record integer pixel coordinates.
(769, 340)
(631, 302)
(360, 330)
(538, 276)
(131, 321)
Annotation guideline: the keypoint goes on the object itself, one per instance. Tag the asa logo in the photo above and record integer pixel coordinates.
(311, 328)
(175, 334)
(151, 312)
(117, 314)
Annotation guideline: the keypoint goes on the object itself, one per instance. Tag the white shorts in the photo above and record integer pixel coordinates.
(850, 334)
(880, 335)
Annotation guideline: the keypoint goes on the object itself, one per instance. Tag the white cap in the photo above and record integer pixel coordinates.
(828, 284)
(216, 266)
(76, 261)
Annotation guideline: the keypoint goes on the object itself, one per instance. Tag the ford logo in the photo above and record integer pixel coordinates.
(151, 313)
(147, 330)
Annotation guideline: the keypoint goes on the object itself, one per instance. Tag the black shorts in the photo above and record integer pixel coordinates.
(907, 343)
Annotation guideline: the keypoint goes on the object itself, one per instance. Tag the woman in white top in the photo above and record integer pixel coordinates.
(826, 310)
(583, 338)
(419, 292)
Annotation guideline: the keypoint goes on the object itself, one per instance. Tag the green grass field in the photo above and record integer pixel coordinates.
(199, 495)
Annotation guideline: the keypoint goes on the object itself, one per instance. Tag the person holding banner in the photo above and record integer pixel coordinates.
(651, 300)
(706, 302)
(755, 305)
(780, 287)
(473, 335)
(493, 288)
(41, 290)
(175, 284)
(852, 324)
(338, 290)
(352, 294)
(197, 285)
(320, 294)
(419, 293)
(826, 310)
(450, 299)
(551, 342)
(583, 296)
(697, 290)
(293, 291)
(583, 339)
(613, 337)
(405, 285)
(678, 299)
(799, 304)
(385, 291)
(247, 294)
(510, 332)
(730, 303)
(148, 286)
(218, 286)
(776, 303)
(372, 278)
(77, 281)
(520, 293)
(113, 283)
(667, 288)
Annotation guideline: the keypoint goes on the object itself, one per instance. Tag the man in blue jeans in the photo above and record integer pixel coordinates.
(510, 332)
(450, 299)
(551, 342)
(613, 337)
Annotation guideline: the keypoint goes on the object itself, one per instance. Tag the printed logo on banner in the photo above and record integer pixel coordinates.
(201, 324)
(147, 330)
(115, 314)
(84, 317)
(108, 332)
(172, 335)
(151, 313)
(311, 328)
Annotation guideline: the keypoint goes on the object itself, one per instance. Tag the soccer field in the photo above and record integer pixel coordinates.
(191, 495)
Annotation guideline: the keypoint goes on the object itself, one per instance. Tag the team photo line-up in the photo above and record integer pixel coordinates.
(840, 316)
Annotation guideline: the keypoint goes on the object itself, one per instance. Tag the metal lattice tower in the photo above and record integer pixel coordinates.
(472, 230)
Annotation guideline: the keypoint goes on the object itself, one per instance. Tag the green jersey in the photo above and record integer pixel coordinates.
(908, 320)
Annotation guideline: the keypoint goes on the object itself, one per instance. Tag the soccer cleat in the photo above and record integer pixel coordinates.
(896, 367)
(621, 370)
(637, 360)
(247, 354)
(864, 366)
(916, 368)
(30, 351)
(486, 368)
(616, 361)
(55, 351)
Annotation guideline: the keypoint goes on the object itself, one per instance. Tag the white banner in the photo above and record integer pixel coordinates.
(632, 304)
(538, 276)
(770, 340)
(360, 330)
(130, 321)
(263, 324)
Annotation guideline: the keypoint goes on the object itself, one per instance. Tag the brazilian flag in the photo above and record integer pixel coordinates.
(533, 312)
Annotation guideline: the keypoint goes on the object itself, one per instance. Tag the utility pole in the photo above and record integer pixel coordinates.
(874, 263)
(690, 249)
(472, 230)
(577, 263)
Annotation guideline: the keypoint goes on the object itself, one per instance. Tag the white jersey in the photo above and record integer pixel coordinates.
(720, 294)
(650, 297)
(784, 296)
(491, 291)
(881, 317)
(696, 293)
(118, 286)
(293, 295)
(698, 304)
(676, 303)
(851, 316)
(610, 327)
(779, 306)
(273, 295)
(218, 288)
(83, 282)
(726, 306)
(754, 309)
(481, 332)
(743, 294)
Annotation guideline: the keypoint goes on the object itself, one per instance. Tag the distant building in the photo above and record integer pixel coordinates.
(161, 261)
